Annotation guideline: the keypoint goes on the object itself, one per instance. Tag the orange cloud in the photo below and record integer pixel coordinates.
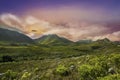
(36, 27)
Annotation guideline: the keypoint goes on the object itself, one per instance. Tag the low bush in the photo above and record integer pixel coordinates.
(88, 72)
(110, 77)
(62, 70)
(9, 75)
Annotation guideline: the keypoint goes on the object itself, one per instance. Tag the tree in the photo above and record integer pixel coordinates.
(7, 58)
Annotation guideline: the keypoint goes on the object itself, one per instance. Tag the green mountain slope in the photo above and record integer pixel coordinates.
(84, 41)
(53, 40)
(13, 36)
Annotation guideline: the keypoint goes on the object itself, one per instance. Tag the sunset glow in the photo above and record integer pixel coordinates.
(73, 19)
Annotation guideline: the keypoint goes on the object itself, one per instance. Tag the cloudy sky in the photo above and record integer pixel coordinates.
(72, 19)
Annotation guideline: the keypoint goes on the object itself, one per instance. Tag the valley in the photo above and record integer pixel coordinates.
(55, 58)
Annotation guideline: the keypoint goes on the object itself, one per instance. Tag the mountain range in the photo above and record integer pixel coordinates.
(50, 39)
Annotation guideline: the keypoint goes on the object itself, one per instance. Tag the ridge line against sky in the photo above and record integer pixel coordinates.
(73, 19)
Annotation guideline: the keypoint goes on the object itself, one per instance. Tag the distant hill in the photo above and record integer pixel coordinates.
(13, 36)
(84, 41)
(102, 43)
(105, 40)
(117, 42)
(53, 39)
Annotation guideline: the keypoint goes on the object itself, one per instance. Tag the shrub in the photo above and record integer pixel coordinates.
(88, 72)
(62, 70)
(110, 77)
(96, 47)
(26, 76)
(9, 75)
(7, 59)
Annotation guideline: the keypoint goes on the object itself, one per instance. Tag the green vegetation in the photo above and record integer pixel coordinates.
(9, 36)
(53, 39)
(98, 60)
(111, 77)
(56, 58)
(62, 70)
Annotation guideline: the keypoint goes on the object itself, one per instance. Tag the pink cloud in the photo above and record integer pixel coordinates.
(36, 27)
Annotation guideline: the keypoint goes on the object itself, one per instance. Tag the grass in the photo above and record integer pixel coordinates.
(91, 61)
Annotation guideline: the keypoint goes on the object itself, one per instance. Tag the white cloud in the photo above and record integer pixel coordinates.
(12, 21)
(115, 36)
(35, 27)
(31, 20)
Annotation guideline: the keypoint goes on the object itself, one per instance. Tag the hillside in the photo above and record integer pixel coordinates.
(53, 39)
(99, 60)
(83, 60)
(13, 36)
(84, 41)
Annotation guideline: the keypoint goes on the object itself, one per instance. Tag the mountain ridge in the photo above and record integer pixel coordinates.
(53, 39)
(7, 35)
(11, 36)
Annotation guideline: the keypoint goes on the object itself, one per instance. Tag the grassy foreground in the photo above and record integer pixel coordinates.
(94, 61)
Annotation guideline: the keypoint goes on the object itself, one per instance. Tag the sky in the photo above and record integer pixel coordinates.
(72, 19)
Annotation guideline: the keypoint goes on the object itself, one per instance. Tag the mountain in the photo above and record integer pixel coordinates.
(105, 40)
(102, 42)
(13, 36)
(117, 42)
(84, 41)
(53, 39)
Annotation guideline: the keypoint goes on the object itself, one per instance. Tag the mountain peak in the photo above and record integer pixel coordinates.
(51, 35)
(13, 36)
(53, 39)
(105, 40)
